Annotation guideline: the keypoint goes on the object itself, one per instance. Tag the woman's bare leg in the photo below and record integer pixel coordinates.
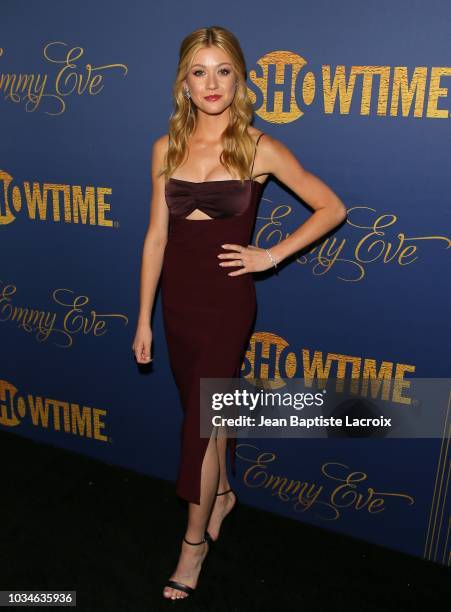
(221, 443)
(191, 557)
(222, 504)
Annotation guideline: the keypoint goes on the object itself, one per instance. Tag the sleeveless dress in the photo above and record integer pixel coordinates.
(208, 316)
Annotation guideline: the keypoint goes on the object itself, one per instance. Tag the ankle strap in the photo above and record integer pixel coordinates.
(195, 543)
(224, 492)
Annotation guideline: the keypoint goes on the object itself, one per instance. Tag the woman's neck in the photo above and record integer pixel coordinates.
(210, 127)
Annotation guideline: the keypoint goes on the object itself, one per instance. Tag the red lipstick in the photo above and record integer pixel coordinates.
(212, 98)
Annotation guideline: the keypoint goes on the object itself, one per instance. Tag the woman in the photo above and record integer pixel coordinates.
(201, 221)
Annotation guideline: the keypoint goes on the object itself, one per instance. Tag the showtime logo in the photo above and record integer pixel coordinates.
(284, 86)
(50, 413)
(54, 202)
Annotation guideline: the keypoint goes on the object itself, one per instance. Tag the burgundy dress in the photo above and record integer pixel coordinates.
(208, 316)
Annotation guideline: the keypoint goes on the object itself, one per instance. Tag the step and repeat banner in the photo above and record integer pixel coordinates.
(360, 94)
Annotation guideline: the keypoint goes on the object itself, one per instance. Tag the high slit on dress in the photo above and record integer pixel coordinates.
(208, 316)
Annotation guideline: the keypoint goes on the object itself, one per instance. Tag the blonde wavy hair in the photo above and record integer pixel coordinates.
(238, 145)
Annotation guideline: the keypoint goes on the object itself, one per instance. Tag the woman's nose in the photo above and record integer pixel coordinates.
(212, 81)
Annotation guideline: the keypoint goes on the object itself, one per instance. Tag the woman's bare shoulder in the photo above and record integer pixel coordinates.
(268, 145)
(161, 142)
(159, 148)
(254, 132)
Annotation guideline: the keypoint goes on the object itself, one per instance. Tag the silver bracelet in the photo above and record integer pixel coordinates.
(272, 259)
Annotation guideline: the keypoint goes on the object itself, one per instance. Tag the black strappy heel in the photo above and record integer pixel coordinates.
(174, 584)
(207, 535)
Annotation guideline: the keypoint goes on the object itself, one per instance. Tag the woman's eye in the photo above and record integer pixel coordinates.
(225, 71)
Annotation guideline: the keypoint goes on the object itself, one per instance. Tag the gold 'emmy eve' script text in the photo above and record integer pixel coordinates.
(76, 319)
(71, 79)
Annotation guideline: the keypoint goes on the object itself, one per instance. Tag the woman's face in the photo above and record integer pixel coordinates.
(211, 80)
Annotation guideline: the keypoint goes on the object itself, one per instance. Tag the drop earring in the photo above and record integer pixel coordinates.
(187, 93)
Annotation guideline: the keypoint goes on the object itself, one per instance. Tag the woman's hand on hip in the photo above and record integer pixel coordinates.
(248, 259)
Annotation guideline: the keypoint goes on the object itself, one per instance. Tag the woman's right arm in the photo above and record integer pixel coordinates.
(152, 254)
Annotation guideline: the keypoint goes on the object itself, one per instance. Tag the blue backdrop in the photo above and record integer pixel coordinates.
(360, 94)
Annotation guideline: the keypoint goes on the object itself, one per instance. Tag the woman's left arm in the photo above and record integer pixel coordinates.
(277, 159)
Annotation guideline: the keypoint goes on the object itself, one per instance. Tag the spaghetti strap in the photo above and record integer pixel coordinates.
(255, 152)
